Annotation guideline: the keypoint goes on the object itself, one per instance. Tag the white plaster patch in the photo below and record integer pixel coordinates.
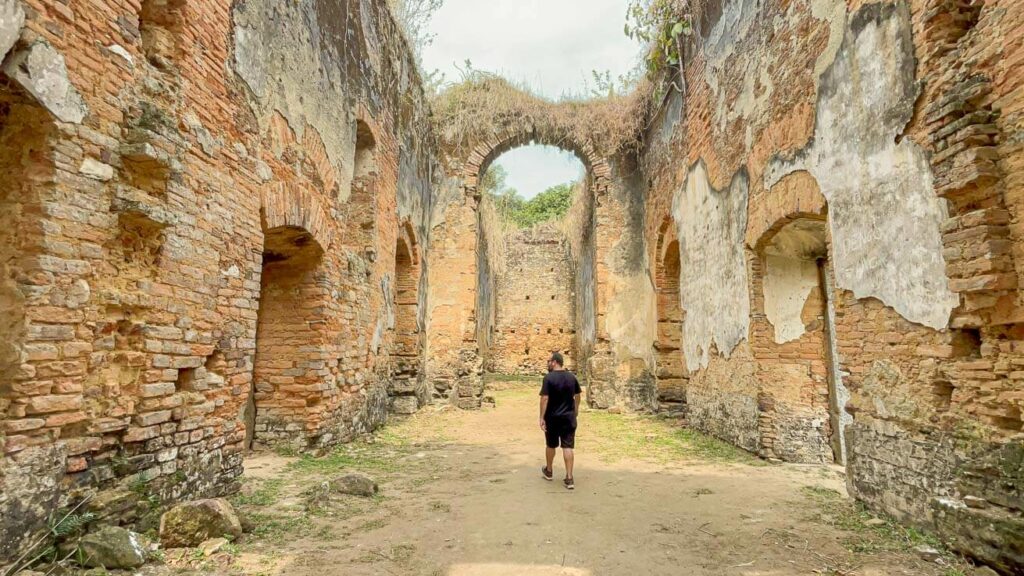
(788, 283)
(12, 19)
(713, 267)
(632, 321)
(96, 170)
(883, 212)
(283, 56)
(833, 12)
(263, 171)
(120, 51)
(40, 69)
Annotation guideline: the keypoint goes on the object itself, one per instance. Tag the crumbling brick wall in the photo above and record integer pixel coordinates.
(164, 206)
(928, 407)
(535, 303)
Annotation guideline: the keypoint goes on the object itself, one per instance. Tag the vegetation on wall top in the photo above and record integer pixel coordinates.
(484, 106)
(661, 25)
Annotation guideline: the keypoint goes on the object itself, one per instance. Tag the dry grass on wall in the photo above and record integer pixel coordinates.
(485, 104)
(494, 229)
(579, 217)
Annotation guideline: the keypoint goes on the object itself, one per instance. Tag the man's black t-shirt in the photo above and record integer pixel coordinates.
(560, 386)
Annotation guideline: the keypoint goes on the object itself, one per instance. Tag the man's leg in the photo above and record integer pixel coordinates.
(550, 453)
(567, 454)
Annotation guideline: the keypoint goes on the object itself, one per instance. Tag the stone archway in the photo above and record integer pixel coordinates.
(613, 333)
(670, 371)
(405, 386)
(287, 388)
(802, 397)
(531, 305)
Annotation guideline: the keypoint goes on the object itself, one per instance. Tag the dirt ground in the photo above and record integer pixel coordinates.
(462, 495)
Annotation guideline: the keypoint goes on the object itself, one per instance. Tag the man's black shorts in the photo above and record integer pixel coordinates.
(563, 433)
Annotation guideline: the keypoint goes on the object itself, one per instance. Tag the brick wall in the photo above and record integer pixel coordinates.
(535, 303)
(180, 251)
(930, 416)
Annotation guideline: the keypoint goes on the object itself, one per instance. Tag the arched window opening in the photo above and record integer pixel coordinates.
(366, 152)
(361, 205)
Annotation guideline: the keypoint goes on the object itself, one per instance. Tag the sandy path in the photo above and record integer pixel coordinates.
(463, 496)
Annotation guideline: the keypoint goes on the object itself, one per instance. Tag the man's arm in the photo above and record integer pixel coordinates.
(543, 410)
(576, 401)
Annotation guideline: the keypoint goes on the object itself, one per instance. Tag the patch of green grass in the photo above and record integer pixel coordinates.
(869, 534)
(369, 525)
(648, 438)
(489, 378)
(276, 528)
(268, 493)
(377, 457)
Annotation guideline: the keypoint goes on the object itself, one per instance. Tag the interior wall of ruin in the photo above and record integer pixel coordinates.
(896, 123)
(535, 300)
(147, 152)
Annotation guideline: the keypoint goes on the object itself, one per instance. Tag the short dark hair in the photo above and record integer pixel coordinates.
(556, 357)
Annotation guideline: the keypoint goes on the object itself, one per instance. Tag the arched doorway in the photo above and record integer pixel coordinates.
(805, 419)
(527, 285)
(671, 372)
(290, 340)
(405, 387)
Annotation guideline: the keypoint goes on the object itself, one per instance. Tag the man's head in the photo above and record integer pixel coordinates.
(556, 362)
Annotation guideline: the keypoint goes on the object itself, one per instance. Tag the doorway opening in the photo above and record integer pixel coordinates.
(799, 303)
(671, 373)
(290, 341)
(406, 394)
(527, 279)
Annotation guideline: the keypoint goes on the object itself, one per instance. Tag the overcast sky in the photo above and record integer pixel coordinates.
(552, 45)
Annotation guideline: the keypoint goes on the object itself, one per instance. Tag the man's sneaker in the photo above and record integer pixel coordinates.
(570, 484)
(548, 474)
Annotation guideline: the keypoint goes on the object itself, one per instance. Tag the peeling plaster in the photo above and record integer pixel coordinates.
(735, 23)
(713, 266)
(788, 283)
(12, 19)
(833, 12)
(290, 61)
(40, 69)
(739, 39)
(884, 215)
(631, 313)
(632, 322)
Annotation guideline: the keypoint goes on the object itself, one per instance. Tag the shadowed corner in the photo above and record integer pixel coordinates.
(516, 570)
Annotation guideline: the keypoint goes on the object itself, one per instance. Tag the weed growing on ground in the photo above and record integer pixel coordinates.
(266, 494)
(870, 533)
(350, 457)
(647, 438)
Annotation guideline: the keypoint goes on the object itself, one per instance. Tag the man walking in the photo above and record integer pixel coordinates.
(559, 405)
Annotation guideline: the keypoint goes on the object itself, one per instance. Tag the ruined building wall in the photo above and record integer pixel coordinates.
(534, 303)
(842, 177)
(171, 198)
(618, 365)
